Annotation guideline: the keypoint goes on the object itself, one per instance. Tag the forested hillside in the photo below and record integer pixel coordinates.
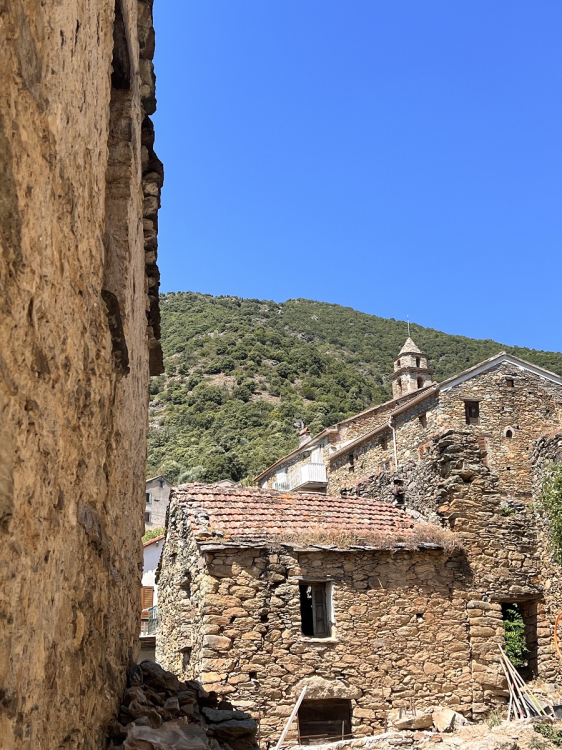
(241, 373)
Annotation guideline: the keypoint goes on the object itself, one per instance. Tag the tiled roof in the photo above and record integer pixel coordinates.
(153, 540)
(244, 513)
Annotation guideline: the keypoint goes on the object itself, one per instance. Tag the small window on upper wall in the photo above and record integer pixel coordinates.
(472, 412)
(315, 620)
(147, 517)
(351, 462)
(147, 497)
(509, 382)
(420, 382)
(509, 433)
(417, 361)
(423, 420)
(398, 363)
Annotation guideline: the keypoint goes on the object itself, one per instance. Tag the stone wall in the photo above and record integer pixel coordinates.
(526, 410)
(77, 324)
(400, 632)
(503, 538)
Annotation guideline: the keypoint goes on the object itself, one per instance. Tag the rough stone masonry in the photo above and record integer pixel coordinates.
(79, 311)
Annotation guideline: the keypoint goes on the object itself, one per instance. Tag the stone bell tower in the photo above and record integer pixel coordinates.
(410, 370)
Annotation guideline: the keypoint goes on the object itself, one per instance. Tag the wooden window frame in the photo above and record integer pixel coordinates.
(320, 605)
(475, 406)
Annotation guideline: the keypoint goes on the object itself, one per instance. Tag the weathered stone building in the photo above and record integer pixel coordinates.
(262, 592)
(80, 328)
(157, 497)
(468, 455)
(505, 402)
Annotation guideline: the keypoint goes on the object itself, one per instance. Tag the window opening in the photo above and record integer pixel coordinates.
(384, 443)
(147, 496)
(423, 420)
(147, 517)
(508, 433)
(510, 383)
(351, 462)
(314, 610)
(398, 363)
(520, 630)
(324, 719)
(121, 65)
(186, 657)
(420, 383)
(253, 675)
(417, 361)
(472, 412)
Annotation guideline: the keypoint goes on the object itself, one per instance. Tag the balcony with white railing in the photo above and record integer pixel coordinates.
(310, 477)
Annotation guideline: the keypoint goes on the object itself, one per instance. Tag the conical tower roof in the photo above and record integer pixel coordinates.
(410, 348)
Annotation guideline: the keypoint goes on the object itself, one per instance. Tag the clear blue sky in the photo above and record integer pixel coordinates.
(402, 157)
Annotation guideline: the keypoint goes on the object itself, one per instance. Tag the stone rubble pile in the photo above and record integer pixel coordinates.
(456, 733)
(158, 712)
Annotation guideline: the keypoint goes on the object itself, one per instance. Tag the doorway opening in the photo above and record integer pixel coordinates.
(320, 720)
(520, 628)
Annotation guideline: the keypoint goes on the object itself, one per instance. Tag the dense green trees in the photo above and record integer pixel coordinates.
(241, 373)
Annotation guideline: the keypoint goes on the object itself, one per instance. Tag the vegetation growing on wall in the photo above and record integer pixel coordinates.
(242, 373)
(551, 501)
(515, 641)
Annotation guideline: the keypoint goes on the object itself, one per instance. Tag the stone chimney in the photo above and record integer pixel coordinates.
(304, 436)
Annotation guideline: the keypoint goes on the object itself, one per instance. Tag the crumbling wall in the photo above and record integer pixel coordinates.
(503, 539)
(74, 361)
(400, 630)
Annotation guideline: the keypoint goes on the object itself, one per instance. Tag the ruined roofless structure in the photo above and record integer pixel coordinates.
(79, 336)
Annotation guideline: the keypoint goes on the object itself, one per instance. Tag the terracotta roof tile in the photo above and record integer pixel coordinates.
(245, 513)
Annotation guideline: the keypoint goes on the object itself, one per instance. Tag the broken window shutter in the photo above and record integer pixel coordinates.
(319, 610)
(147, 597)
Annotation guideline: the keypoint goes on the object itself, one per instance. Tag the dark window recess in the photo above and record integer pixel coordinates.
(161, 483)
(420, 383)
(509, 383)
(314, 610)
(472, 412)
(323, 719)
(508, 434)
(121, 65)
(147, 517)
(384, 443)
(351, 462)
(423, 420)
(417, 361)
(147, 496)
(186, 657)
(253, 675)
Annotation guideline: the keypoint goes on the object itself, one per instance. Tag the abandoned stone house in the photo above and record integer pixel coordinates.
(263, 592)
(79, 336)
(505, 402)
(257, 611)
